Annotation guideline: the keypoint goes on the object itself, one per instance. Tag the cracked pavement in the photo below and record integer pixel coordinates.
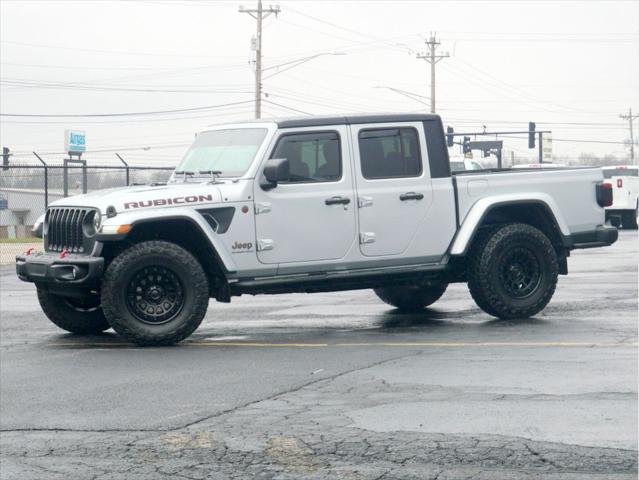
(329, 386)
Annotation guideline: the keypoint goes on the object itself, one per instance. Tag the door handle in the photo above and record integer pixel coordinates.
(411, 196)
(337, 201)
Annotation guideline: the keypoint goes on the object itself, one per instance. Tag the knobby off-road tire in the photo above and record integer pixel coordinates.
(411, 298)
(155, 293)
(75, 315)
(512, 271)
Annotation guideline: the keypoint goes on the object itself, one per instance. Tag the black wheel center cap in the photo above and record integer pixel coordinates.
(154, 293)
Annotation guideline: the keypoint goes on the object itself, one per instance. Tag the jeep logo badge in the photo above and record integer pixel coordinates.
(239, 246)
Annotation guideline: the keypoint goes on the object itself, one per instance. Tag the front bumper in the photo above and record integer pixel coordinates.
(602, 236)
(68, 272)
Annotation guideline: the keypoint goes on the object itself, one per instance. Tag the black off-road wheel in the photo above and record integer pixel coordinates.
(155, 293)
(411, 298)
(75, 315)
(512, 271)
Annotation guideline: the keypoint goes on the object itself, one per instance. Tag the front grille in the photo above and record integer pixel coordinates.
(65, 229)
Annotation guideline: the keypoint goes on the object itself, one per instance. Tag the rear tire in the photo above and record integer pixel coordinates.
(512, 271)
(155, 293)
(411, 298)
(75, 315)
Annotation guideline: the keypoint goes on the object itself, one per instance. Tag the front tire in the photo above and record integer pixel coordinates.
(411, 298)
(512, 271)
(75, 315)
(155, 293)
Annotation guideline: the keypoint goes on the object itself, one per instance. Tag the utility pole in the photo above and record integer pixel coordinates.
(630, 117)
(259, 14)
(432, 58)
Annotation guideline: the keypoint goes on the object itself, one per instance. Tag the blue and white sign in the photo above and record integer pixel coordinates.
(75, 141)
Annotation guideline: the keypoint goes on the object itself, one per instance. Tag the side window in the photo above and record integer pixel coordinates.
(313, 157)
(390, 153)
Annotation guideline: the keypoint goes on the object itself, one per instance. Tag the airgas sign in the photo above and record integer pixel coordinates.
(75, 141)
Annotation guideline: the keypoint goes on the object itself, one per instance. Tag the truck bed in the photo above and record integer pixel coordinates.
(569, 192)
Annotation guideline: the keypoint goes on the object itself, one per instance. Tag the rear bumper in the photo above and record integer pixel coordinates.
(602, 236)
(70, 272)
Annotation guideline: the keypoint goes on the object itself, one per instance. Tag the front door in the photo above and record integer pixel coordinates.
(310, 217)
(393, 186)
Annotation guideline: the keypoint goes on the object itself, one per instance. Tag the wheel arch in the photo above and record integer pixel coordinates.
(538, 213)
(186, 232)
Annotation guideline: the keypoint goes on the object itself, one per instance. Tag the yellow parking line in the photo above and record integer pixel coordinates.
(255, 344)
(364, 344)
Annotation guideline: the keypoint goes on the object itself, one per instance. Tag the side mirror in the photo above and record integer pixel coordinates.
(276, 170)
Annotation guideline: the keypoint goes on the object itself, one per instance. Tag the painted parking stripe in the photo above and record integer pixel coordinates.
(365, 344)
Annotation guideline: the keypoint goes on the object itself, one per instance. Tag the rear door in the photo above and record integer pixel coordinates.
(393, 185)
(310, 217)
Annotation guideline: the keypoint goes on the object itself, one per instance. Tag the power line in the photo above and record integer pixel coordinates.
(128, 114)
(81, 86)
(112, 52)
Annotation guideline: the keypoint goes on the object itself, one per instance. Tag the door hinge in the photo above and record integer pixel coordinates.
(366, 237)
(262, 207)
(264, 244)
(364, 201)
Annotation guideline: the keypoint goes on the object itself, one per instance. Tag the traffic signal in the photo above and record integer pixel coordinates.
(466, 145)
(449, 136)
(531, 134)
(5, 158)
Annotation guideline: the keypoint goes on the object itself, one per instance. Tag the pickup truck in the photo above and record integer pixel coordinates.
(313, 204)
(624, 181)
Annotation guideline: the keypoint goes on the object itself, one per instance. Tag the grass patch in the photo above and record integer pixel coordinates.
(21, 240)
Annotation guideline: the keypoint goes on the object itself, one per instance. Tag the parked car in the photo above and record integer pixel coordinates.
(625, 195)
(312, 205)
(460, 164)
(540, 165)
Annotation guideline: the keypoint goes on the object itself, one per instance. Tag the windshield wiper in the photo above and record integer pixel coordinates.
(214, 174)
(184, 173)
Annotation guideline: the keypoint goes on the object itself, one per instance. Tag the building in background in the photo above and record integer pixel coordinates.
(20, 208)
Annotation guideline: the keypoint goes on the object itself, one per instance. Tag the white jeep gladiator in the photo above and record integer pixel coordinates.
(312, 205)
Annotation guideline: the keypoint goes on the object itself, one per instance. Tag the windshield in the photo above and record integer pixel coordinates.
(230, 152)
(620, 172)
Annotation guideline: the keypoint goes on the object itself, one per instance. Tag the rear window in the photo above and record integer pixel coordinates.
(390, 153)
(621, 172)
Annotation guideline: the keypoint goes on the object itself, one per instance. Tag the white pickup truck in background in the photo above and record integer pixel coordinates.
(625, 195)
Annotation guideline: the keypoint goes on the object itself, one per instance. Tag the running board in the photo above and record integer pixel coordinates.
(336, 280)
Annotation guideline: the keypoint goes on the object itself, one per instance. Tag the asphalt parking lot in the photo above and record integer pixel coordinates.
(335, 386)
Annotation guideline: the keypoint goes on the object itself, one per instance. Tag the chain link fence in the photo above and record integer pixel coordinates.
(27, 189)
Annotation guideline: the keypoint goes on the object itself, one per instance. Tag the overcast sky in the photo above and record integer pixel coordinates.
(572, 67)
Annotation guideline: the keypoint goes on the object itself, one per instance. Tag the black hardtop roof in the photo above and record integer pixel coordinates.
(320, 121)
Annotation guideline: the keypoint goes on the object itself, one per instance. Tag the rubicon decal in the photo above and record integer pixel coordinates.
(160, 202)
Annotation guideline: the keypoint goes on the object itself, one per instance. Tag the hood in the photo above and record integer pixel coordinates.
(140, 196)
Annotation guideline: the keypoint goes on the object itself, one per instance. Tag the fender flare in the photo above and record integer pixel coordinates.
(138, 218)
(478, 212)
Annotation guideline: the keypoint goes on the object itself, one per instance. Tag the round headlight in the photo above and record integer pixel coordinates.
(97, 221)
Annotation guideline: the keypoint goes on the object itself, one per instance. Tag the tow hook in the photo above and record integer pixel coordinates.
(68, 272)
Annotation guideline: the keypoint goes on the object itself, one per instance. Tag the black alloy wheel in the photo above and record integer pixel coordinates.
(155, 295)
(519, 272)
